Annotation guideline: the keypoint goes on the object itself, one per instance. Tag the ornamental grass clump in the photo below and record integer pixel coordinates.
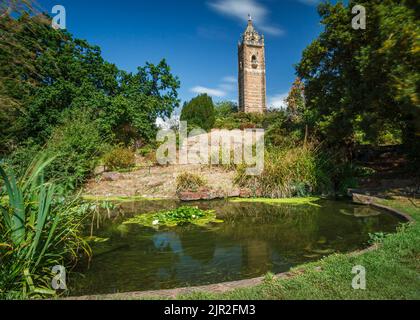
(189, 182)
(288, 172)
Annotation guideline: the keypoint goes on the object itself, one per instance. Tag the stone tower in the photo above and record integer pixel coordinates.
(252, 83)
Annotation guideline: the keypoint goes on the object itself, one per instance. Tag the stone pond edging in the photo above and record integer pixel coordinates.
(232, 285)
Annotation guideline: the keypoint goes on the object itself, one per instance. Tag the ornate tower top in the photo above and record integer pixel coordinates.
(251, 76)
(251, 36)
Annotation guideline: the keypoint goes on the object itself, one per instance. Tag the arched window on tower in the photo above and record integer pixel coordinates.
(254, 61)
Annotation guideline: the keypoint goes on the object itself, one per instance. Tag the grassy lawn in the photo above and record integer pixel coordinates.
(392, 271)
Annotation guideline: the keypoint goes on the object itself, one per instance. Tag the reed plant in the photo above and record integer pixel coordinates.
(297, 171)
(38, 230)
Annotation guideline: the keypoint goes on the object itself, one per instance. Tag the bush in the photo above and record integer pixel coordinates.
(22, 157)
(77, 145)
(119, 158)
(189, 182)
(298, 171)
(225, 109)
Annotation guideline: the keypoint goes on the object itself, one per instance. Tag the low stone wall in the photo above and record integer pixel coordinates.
(373, 201)
(173, 293)
(208, 194)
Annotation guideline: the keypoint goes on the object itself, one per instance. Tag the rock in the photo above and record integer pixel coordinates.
(99, 170)
(155, 184)
(191, 196)
(245, 193)
(202, 194)
(234, 193)
(111, 176)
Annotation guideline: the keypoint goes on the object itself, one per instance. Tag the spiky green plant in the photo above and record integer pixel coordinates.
(37, 232)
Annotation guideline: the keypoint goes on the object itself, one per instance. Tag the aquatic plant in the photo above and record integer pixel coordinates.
(179, 216)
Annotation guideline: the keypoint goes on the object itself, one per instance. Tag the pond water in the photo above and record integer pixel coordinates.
(254, 239)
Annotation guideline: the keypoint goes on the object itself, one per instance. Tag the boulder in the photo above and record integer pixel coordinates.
(245, 193)
(110, 176)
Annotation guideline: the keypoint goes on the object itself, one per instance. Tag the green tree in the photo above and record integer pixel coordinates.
(199, 112)
(61, 73)
(225, 109)
(364, 80)
(296, 100)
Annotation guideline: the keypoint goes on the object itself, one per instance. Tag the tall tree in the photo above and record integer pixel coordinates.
(46, 73)
(365, 79)
(199, 112)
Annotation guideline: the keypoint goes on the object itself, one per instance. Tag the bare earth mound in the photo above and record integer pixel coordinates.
(157, 182)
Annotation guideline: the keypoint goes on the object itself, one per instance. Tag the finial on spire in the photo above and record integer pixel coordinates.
(249, 17)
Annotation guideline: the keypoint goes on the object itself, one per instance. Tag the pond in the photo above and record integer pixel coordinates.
(254, 239)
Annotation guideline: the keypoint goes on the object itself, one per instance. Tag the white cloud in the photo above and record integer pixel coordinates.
(240, 9)
(211, 92)
(226, 86)
(277, 101)
(230, 79)
(273, 30)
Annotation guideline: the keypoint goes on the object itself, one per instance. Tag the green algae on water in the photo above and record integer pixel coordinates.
(288, 201)
(176, 217)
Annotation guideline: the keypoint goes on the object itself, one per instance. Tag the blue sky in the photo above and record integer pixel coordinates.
(198, 38)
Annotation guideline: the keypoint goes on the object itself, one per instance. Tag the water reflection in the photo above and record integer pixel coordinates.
(254, 239)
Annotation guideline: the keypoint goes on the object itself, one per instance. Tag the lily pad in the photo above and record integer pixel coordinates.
(172, 218)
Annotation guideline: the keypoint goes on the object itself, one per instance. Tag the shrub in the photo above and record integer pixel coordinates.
(298, 171)
(189, 182)
(225, 109)
(22, 157)
(119, 158)
(77, 145)
(228, 123)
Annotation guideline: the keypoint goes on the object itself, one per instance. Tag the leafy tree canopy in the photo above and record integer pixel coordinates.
(44, 73)
(364, 80)
(199, 112)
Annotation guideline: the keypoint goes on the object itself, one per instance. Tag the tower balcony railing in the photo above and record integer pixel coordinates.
(252, 42)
